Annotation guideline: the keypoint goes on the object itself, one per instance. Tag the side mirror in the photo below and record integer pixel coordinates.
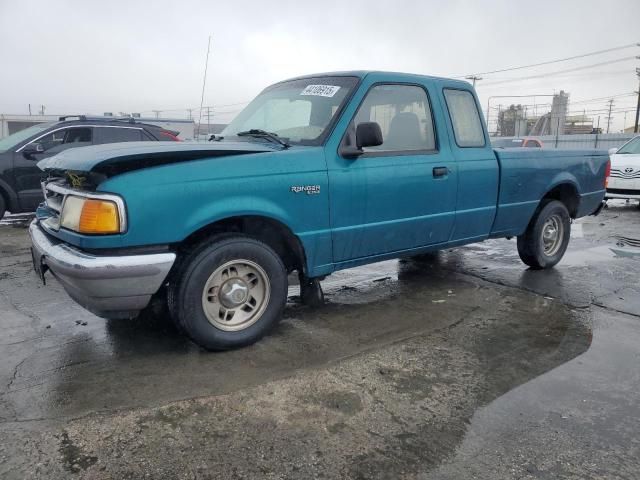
(368, 134)
(31, 149)
(612, 151)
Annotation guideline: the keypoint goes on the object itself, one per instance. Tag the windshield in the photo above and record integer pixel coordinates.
(300, 111)
(632, 146)
(507, 143)
(11, 141)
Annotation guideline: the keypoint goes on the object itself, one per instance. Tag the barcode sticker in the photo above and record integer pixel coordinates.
(320, 90)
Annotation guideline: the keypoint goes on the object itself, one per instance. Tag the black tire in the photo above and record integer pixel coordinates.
(3, 207)
(186, 292)
(531, 245)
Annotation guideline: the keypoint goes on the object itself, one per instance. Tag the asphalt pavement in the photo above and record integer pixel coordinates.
(461, 364)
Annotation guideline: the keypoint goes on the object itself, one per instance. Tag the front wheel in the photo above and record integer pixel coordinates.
(229, 293)
(546, 239)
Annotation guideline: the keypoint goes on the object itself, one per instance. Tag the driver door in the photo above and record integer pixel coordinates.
(400, 195)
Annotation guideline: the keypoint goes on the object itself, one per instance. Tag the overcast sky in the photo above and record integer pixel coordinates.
(77, 56)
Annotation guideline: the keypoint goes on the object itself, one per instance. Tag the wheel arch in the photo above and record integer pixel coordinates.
(565, 192)
(269, 230)
(9, 196)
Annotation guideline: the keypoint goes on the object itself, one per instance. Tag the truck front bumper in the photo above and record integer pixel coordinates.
(109, 286)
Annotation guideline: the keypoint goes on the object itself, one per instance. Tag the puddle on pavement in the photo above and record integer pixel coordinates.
(405, 408)
(414, 331)
(583, 258)
(83, 363)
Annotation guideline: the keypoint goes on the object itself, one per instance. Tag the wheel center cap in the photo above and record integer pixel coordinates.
(233, 293)
(550, 232)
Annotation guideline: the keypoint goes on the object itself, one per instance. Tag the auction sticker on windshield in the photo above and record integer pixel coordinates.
(320, 90)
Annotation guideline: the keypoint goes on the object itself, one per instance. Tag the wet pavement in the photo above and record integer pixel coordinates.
(461, 364)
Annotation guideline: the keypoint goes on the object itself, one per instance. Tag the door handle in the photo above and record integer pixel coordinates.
(440, 171)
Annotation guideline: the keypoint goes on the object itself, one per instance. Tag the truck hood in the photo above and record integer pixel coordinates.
(114, 158)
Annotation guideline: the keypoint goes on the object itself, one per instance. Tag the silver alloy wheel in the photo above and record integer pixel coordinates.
(236, 295)
(552, 235)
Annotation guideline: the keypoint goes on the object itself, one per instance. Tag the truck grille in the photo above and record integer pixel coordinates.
(52, 198)
(54, 191)
(620, 173)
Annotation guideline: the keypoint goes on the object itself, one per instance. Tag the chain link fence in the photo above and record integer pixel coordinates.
(599, 141)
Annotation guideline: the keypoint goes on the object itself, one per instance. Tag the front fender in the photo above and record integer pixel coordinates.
(237, 206)
(167, 204)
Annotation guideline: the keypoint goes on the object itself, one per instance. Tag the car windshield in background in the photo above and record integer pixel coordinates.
(507, 143)
(300, 111)
(632, 147)
(11, 141)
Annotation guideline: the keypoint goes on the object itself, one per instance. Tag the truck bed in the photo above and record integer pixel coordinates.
(524, 179)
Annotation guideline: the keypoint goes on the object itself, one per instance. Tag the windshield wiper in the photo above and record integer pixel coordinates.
(256, 132)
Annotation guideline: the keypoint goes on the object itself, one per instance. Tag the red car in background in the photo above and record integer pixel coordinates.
(529, 142)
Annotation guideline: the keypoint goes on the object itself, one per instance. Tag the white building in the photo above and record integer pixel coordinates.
(10, 124)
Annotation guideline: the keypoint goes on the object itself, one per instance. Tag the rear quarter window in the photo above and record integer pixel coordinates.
(465, 118)
(118, 134)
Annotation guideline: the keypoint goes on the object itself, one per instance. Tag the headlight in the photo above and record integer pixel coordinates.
(90, 215)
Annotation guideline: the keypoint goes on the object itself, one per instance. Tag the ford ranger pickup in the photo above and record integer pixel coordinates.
(317, 174)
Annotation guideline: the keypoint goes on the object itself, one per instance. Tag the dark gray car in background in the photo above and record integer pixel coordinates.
(20, 189)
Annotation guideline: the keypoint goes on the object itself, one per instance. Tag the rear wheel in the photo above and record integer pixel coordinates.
(229, 293)
(546, 239)
(3, 207)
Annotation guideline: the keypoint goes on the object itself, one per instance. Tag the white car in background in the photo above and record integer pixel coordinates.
(624, 181)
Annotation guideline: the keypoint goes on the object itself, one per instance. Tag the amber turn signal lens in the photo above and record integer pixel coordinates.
(99, 216)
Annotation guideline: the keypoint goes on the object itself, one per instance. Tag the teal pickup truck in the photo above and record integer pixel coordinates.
(316, 174)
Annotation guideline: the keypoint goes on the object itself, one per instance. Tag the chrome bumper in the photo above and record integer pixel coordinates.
(628, 196)
(109, 286)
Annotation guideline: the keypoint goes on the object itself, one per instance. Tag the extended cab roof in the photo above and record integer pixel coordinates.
(398, 76)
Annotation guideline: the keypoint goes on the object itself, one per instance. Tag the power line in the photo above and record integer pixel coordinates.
(549, 62)
(231, 104)
(590, 100)
(574, 69)
(579, 75)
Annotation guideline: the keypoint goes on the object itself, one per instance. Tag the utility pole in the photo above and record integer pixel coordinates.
(204, 83)
(609, 117)
(190, 110)
(474, 78)
(635, 129)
